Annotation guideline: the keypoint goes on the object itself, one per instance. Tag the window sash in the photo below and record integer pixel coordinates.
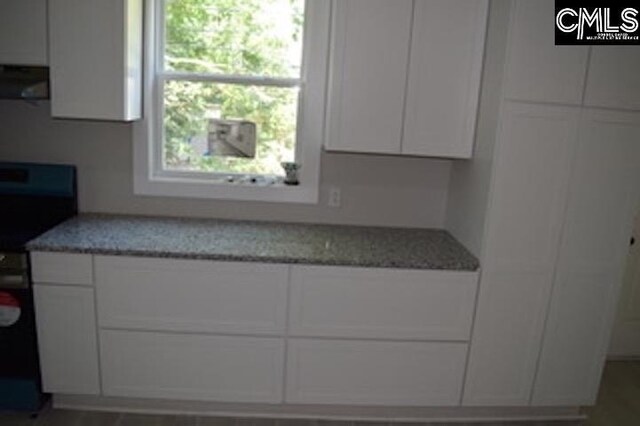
(244, 79)
(158, 148)
(162, 76)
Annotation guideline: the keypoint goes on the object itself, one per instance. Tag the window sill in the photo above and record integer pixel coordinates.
(195, 188)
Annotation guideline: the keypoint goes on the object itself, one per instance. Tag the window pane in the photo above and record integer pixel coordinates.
(190, 105)
(247, 37)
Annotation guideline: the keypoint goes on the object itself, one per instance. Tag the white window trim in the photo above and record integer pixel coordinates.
(146, 179)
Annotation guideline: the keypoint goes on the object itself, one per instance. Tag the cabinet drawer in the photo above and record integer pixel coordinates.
(61, 268)
(381, 303)
(193, 296)
(375, 373)
(192, 367)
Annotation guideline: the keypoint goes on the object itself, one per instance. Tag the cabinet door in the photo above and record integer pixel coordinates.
(23, 32)
(603, 198)
(67, 339)
(539, 70)
(525, 217)
(444, 77)
(613, 77)
(95, 50)
(374, 373)
(368, 75)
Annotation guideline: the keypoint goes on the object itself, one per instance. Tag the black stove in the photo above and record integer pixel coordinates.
(33, 199)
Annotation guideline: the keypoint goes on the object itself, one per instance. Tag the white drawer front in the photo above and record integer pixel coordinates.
(381, 303)
(192, 296)
(191, 367)
(375, 373)
(61, 268)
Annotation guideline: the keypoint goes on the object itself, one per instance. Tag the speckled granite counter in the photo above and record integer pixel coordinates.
(257, 242)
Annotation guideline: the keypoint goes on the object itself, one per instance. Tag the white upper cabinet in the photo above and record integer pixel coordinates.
(23, 32)
(370, 57)
(95, 51)
(538, 70)
(405, 76)
(613, 77)
(444, 77)
(603, 198)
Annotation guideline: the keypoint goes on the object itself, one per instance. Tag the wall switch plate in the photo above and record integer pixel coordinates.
(335, 197)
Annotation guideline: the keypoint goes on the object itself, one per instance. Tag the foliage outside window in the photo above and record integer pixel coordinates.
(230, 59)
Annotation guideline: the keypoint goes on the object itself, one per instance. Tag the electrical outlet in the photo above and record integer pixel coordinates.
(335, 197)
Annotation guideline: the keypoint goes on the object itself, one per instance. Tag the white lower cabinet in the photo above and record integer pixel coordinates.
(375, 373)
(198, 330)
(67, 340)
(191, 367)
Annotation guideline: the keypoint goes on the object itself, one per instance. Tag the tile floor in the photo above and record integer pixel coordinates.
(619, 399)
(618, 405)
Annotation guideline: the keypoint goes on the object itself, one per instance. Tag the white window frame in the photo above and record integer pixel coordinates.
(149, 177)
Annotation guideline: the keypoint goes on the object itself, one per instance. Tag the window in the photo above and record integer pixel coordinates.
(258, 65)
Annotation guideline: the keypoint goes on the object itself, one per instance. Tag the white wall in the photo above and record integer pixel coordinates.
(471, 180)
(376, 190)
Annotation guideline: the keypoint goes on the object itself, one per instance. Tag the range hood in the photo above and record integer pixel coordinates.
(22, 82)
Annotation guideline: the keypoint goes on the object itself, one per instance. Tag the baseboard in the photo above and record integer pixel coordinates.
(325, 412)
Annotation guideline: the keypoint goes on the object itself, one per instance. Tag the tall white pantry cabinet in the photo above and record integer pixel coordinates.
(558, 186)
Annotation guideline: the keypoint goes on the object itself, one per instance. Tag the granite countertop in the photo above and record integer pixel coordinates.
(267, 242)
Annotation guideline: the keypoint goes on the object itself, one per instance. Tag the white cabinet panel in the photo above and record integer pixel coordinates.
(537, 69)
(625, 337)
(368, 75)
(193, 296)
(444, 77)
(381, 303)
(95, 54)
(373, 373)
(23, 32)
(613, 77)
(192, 367)
(67, 339)
(62, 268)
(535, 146)
(603, 198)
